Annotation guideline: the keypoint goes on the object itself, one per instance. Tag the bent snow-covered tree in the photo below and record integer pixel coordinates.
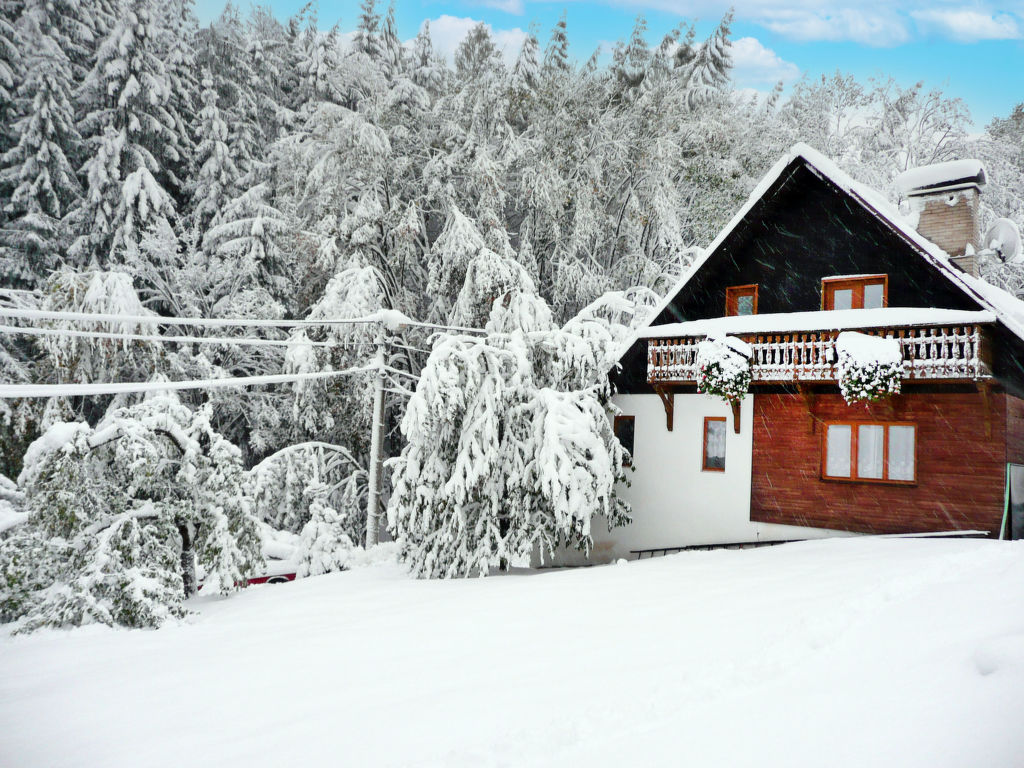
(503, 460)
(119, 515)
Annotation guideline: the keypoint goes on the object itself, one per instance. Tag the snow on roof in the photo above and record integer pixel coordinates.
(1007, 309)
(930, 178)
(827, 320)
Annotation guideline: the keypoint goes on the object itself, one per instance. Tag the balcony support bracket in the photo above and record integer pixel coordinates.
(668, 400)
(735, 415)
(808, 395)
(985, 388)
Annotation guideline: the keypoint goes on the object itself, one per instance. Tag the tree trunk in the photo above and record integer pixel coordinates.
(188, 560)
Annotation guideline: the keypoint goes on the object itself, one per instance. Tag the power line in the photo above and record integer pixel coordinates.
(30, 331)
(391, 318)
(10, 391)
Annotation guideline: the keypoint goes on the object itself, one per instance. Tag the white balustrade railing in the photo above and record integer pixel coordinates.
(935, 352)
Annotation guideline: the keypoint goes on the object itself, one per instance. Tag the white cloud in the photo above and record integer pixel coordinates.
(508, 6)
(878, 23)
(863, 25)
(446, 32)
(755, 65)
(968, 26)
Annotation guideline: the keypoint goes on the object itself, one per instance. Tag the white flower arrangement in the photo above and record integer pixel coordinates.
(869, 367)
(723, 368)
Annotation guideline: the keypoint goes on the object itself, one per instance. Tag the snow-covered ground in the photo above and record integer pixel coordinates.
(845, 652)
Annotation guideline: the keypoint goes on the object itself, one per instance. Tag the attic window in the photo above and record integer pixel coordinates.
(855, 292)
(741, 300)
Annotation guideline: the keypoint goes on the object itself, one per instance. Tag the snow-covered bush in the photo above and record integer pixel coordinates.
(723, 368)
(868, 367)
(324, 546)
(507, 454)
(117, 516)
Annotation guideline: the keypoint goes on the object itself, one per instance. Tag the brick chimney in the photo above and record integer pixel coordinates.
(944, 198)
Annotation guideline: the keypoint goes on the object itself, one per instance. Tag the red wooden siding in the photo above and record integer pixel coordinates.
(960, 470)
(1014, 430)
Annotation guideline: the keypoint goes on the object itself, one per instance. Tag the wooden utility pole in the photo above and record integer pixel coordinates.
(376, 446)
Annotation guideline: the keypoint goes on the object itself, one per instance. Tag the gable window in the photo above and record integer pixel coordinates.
(875, 452)
(741, 300)
(714, 444)
(625, 429)
(855, 292)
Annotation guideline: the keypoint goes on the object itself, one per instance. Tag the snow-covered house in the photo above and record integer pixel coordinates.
(812, 255)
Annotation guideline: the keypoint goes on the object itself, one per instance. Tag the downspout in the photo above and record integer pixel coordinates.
(1006, 504)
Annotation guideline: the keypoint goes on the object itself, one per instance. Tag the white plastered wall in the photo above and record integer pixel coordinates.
(675, 503)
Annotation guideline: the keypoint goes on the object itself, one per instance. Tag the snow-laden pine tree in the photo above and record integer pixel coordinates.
(217, 176)
(711, 68)
(478, 58)
(427, 68)
(10, 73)
(556, 55)
(38, 168)
(319, 65)
(131, 135)
(450, 256)
(177, 28)
(367, 37)
(242, 246)
(523, 81)
(393, 54)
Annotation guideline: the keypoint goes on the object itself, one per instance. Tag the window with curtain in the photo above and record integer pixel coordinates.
(714, 444)
(878, 452)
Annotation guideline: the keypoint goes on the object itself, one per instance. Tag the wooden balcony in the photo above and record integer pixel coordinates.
(936, 353)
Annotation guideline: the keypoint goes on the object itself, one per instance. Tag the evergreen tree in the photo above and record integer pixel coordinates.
(392, 52)
(176, 34)
(217, 176)
(243, 246)
(319, 65)
(38, 169)
(477, 56)
(427, 68)
(132, 138)
(710, 70)
(367, 38)
(523, 81)
(556, 55)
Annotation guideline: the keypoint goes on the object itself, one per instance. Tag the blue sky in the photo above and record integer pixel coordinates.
(969, 49)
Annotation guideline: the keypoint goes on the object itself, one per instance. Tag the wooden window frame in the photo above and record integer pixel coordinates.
(615, 429)
(704, 446)
(854, 434)
(732, 297)
(829, 285)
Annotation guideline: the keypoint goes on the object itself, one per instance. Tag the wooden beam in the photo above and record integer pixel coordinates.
(668, 399)
(985, 388)
(736, 415)
(808, 395)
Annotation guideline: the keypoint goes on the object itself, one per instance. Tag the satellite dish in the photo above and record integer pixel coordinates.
(1003, 237)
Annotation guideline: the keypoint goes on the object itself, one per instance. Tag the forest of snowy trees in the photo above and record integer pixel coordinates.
(272, 170)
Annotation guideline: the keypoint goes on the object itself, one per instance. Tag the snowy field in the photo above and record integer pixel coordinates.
(856, 652)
